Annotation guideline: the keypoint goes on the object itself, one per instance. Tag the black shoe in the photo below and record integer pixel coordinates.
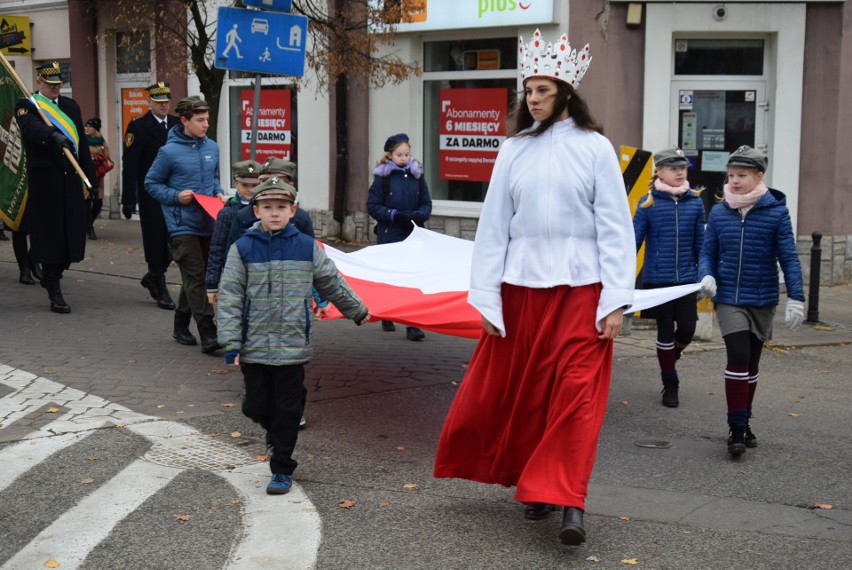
(538, 511)
(158, 290)
(35, 269)
(208, 333)
(54, 293)
(670, 389)
(26, 276)
(127, 211)
(181, 331)
(749, 439)
(736, 441)
(572, 532)
(388, 326)
(413, 333)
(90, 232)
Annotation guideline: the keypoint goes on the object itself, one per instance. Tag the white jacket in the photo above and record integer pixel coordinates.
(556, 213)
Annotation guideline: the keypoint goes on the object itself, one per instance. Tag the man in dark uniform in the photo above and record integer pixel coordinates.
(145, 135)
(56, 204)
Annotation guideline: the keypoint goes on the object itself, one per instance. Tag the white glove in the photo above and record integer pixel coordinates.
(795, 314)
(708, 286)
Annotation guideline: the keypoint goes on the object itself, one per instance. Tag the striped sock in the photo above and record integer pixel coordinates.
(666, 356)
(736, 393)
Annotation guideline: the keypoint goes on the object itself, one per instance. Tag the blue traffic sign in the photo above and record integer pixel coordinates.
(280, 5)
(261, 42)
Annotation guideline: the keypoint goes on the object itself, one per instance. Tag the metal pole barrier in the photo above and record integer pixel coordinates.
(254, 113)
(813, 290)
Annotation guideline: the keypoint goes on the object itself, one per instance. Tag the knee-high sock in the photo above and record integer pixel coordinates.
(666, 357)
(752, 388)
(737, 395)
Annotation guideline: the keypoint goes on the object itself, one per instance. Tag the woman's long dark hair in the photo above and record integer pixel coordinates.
(566, 97)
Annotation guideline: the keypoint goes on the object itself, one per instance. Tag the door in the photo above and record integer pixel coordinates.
(710, 121)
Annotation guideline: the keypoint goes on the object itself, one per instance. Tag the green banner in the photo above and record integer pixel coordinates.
(13, 159)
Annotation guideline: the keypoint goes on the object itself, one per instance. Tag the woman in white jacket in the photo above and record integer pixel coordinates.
(553, 271)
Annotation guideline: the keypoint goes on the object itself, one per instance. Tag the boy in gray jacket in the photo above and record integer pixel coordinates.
(265, 309)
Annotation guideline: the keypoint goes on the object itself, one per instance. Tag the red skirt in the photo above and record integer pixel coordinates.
(531, 405)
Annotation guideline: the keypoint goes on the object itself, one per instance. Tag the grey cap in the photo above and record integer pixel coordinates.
(748, 157)
(274, 189)
(246, 170)
(670, 157)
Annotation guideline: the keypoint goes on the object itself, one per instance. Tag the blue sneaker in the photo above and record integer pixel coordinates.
(279, 484)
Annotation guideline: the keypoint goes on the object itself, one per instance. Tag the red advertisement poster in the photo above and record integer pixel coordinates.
(274, 137)
(473, 126)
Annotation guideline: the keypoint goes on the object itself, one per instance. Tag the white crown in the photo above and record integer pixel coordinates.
(551, 61)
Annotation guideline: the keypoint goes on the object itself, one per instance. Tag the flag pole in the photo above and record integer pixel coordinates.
(68, 154)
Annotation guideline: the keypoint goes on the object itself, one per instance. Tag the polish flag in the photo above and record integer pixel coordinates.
(423, 282)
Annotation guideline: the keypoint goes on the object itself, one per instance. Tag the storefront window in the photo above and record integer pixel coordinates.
(132, 52)
(469, 88)
(276, 127)
(718, 57)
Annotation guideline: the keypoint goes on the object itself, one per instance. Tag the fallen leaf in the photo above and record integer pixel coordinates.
(183, 518)
(235, 501)
(262, 457)
(214, 434)
(311, 457)
(52, 410)
(454, 383)
(228, 405)
(87, 481)
(82, 421)
(825, 506)
(624, 402)
(120, 425)
(631, 561)
(131, 360)
(593, 559)
(823, 328)
(222, 371)
(793, 415)
(623, 518)
(161, 405)
(711, 393)
(49, 371)
(400, 448)
(52, 564)
(384, 504)
(235, 434)
(91, 458)
(346, 504)
(410, 486)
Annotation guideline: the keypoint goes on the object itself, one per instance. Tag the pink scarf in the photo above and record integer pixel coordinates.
(737, 201)
(675, 191)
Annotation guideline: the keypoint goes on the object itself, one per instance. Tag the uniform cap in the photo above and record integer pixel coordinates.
(394, 140)
(193, 103)
(748, 157)
(670, 157)
(274, 189)
(50, 72)
(159, 92)
(275, 165)
(246, 170)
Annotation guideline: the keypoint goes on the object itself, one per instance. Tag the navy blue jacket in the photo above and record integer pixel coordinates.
(743, 253)
(400, 189)
(673, 231)
(219, 244)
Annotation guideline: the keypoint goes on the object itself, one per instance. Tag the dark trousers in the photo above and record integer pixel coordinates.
(275, 398)
(190, 254)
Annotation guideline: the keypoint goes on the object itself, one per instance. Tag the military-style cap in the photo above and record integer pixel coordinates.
(670, 157)
(275, 165)
(246, 170)
(193, 103)
(748, 157)
(159, 92)
(50, 72)
(394, 140)
(274, 189)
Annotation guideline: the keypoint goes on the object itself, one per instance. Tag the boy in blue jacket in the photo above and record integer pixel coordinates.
(265, 318)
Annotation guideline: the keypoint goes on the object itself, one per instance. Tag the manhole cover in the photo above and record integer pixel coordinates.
(653, 443)
(203, 453)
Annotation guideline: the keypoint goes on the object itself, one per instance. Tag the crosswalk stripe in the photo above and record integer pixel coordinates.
(20, 457)
(74, 534)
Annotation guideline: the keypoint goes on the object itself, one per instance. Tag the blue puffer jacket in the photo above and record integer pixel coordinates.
(673, 231)
(400, 189)
(743, 253)
(185, 163)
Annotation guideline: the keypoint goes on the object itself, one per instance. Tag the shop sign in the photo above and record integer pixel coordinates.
(134, 103)
(274, 136)
(473, 126)
(422, 15)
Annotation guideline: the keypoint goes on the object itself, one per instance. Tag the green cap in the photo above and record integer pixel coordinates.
(275, 165)
(246, 170)
(274, 189)
(748, 157)
(670, 157)
(193, 103)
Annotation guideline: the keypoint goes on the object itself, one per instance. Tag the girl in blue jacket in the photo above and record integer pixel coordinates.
(748, 234)
(398, 199)
(670, 221)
